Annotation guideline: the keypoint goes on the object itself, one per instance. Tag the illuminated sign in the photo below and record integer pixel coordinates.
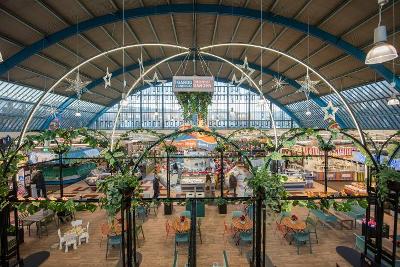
(193, 84)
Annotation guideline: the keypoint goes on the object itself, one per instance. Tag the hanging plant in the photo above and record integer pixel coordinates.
(325, 145)
(194, 103)
(114, 188)
(387, 177)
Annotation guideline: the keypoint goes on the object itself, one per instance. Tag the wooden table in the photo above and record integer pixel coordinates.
(293, 225)
(37, 218)
(181, 227)
(242, 226)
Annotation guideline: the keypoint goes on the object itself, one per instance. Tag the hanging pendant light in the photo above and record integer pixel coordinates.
(77, 113)
(124, 101)
(393, 101)
(232, 113)
(382, 51)
(308, 112)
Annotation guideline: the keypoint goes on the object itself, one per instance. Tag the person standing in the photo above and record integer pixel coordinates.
(208, 185)
(38, 179)
(233, 183)
(156, 186)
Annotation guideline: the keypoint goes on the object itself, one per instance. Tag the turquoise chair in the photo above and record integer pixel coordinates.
(141, 213)
(181, 238)
(113, 241)
(301, 238)
(312, 227)
(237, 213)
(186, 213)
(246, 238)
(200, 208)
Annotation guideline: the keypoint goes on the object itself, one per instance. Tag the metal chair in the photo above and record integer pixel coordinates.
(113, 241)
(244, 237)
(301, 238)
(312, 227)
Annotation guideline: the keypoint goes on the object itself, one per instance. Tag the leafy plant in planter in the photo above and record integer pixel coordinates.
(169, 149)
(221, 203)
(194, 103)
(271, 186)
(114, 188)
(388, 178)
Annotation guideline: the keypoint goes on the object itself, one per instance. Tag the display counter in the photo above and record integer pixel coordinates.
(193, 184)
(336, 176)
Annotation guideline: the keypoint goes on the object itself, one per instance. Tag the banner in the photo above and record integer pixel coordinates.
(193, 84)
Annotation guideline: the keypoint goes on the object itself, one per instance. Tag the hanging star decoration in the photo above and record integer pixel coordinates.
(1, 57)
(107, 79)
(308, 85)
(141, 67)
(330, 112)
(77, 85)
(246, 70)
(278, 83)
(155, 80)
(53, 111)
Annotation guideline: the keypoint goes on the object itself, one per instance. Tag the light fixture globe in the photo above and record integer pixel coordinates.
(124, 101)
(393, 101)
(382, 51)
(308, 113)
(78, 114)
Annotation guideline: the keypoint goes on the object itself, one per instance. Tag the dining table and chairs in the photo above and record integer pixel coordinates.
(298, 231)
(74, 235)
(40, 218)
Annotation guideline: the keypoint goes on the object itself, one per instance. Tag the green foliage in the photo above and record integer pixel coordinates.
(114, 189)
(221, 201)
(271, 186)
(194, 103)
(385, 175)
(55, 206)
(325, 145)
(170, 149)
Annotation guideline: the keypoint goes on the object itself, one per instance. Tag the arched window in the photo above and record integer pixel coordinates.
(232, 107)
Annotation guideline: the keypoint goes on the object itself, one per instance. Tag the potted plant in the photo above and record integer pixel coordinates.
(222, 205)
(388, 179)
(168, 207)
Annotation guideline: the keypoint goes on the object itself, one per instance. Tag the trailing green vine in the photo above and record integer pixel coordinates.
(194, 103)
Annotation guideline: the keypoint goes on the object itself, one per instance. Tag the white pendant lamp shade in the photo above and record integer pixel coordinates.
(308, 112)
(78, 114)
(393, 101)
(382, 51)
(124, 101)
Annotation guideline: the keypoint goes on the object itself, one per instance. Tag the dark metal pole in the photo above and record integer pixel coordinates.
(253, 254)
(134, 237)
(129, 232)
(257, 238)
(222, 175)
(168, 178)
(326, 171)
(396, 209)
(61, 179)
(3, 236)
(123, 230)
(193, 229)
(264, 234)
(379, 223)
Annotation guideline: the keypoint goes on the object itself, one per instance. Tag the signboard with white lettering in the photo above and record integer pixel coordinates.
(193, 84)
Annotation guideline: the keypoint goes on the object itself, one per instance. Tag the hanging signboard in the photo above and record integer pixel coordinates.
(193, 84)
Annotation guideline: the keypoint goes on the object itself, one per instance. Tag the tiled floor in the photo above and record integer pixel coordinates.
(157, 250)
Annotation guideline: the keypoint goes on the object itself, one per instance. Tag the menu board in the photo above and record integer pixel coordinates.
(193, 84)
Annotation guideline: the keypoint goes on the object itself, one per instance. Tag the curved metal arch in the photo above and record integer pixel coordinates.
(224, 80)
(251, 80)
(353, 117)
(63, 106)
(41, 98)
(198, 8)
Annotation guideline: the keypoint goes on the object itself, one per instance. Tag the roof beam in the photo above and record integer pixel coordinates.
(352, 29)
(198, 8)
(319, 24)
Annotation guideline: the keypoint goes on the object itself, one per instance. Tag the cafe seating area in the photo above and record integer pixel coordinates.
(162, 236)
